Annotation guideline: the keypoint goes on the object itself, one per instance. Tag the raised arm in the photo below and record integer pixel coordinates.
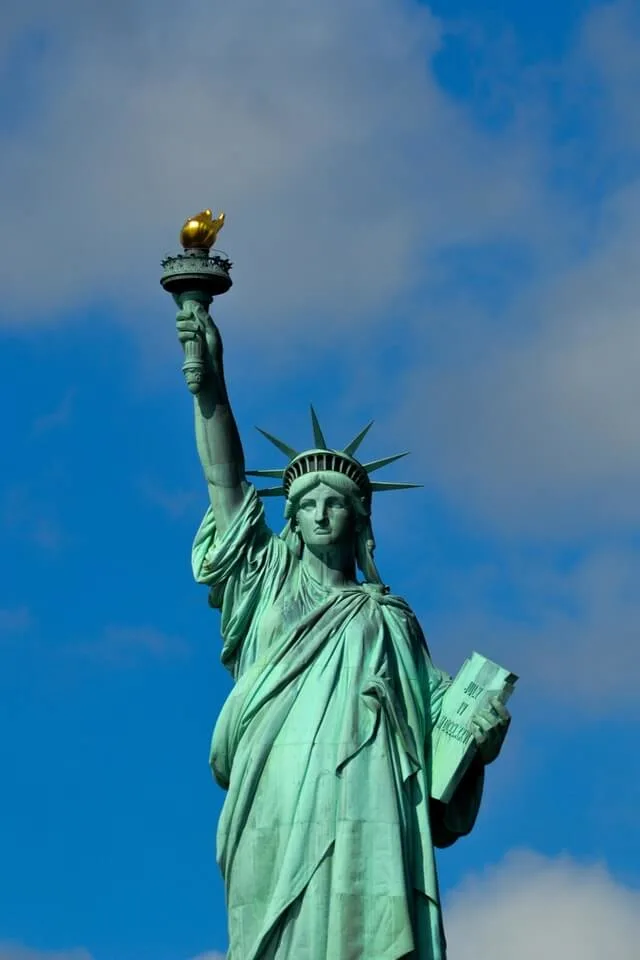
(217, 438)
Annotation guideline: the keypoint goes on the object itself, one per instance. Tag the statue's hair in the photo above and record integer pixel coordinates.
(364, 542)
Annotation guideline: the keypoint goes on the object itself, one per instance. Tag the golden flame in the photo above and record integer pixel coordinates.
(201, 231)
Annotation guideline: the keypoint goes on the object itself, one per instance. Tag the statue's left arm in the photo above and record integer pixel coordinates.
(455, 819)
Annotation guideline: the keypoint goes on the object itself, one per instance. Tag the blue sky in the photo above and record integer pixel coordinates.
(432, 210)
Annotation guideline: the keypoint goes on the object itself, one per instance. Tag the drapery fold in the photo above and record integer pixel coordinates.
(325, 841)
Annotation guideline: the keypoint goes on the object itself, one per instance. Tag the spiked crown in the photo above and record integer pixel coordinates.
(323, 458)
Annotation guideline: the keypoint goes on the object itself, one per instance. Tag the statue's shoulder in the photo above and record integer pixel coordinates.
(390, 601)
(376, 590)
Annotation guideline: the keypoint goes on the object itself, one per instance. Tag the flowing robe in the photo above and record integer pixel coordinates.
(326, 836)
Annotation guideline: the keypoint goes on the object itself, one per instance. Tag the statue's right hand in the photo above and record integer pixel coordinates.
(193, 322)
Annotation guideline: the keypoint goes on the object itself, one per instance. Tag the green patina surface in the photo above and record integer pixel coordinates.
(327, 834)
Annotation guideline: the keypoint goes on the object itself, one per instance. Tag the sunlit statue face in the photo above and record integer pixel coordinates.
(324, 517)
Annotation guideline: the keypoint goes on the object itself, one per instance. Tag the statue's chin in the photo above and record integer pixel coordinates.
(327, 539)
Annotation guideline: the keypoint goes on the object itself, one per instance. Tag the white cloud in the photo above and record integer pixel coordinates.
(319, 126)
(609, 51)
(9, 951)
(571, 633)
(531, 421)
(526, 907)
(346, 171)
(585, 631)
(530, 906)
(548, 425)
(322, 130)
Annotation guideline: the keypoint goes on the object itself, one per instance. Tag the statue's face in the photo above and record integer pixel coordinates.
(324, 517)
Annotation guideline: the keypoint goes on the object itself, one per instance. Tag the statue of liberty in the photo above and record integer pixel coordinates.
(327, 834)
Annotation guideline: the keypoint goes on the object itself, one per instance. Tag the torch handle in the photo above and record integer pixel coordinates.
(193, 366)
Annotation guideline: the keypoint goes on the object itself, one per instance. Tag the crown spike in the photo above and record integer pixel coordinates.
(318, 435)
(271, 492)
(325, 458)
(276, 474)
(351, 447)
(374, 465)
(380, 486)
(283, 447)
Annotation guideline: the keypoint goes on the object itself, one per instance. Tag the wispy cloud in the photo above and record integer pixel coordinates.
(56, 418)
(174, 503)
(322, 130)
(25, 514)
(352, 179)
(570, 629)
(531, 408)
(531, 906)
(15, 620)
(10, 951)
(526, 907)
(127, 646)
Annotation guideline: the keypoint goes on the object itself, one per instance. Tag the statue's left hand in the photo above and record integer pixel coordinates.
(489, 728)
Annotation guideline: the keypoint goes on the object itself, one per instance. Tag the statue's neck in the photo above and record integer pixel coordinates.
(330, 566)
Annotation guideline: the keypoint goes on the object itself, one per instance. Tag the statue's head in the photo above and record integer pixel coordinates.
(323, 511)
(328, 497)
(326, 508)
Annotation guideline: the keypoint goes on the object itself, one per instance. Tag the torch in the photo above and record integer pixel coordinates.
(197, 275)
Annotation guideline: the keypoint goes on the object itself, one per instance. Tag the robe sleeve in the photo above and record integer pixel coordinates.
(455, 819)
(241, 567)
